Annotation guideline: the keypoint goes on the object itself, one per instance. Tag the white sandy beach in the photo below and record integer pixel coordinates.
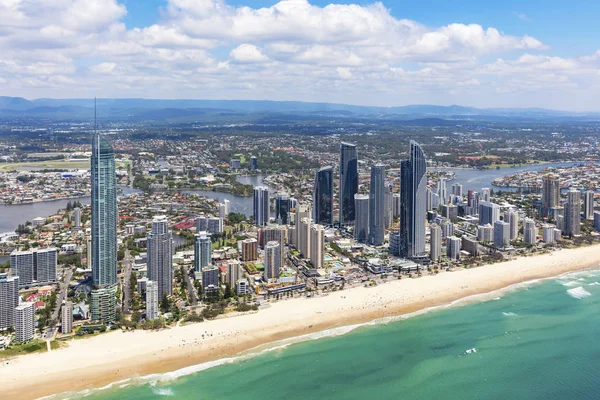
(101, 360)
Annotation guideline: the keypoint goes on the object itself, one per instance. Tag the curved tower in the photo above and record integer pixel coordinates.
(323, 197)
(348, 182)
(413, 185)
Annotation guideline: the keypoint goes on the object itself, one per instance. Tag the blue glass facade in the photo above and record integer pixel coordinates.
(323, 197)
(413, 185)
(348, 182)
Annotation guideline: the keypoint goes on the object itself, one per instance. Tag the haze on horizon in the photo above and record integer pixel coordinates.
(388, 53)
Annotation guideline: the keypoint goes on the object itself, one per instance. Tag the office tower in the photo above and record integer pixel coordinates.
(202, 251)
(572, 216)
(104, 214)
(253, 163)
(67, 317)
(261, 205)
(302, 212)
(588, 205)
(488, 213)
(274, 233)
(323, 196)
(317, 246)
(470, 245)
(210, 277)
(450, 211)
(35, 266)
(304, 237)
(152, 296)
(548, 234)
(9, 299)
(24, 321)
(222, 211)
(272, 260)
(512, 217)
(550, 193)
(77, 217)
(447, 228)
(214, 225)
(485, 194)
(435, 243)
(361, 222)
(348, 182)
(453, 244)
(249, 249)
(529, 231)
(413, 183)
(160, 256)
(457, 189)
(201, 223)
(102, 307)
(388, 218)
(282, 209)
(597, 221)
(376, 205)
(485, 233)
(501, 234)
(234, 272)
(441, 190)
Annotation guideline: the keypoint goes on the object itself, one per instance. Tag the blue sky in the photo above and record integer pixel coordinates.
(478, 53)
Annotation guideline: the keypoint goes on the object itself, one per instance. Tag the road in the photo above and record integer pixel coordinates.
(62, 295)
(127, 265)
(191, 290)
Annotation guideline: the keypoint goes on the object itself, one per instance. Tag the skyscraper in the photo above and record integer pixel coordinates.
(261, 205)
(512, 217)
(376, 205)
(361, 223)
(160, 256)
(35, 266)
(441, 189)
(282, 209)
(435, 244)
(77, 217)
(67, 317)
(588, 205)
(413, 183)
(550, 193)
(388, 218)
(323, 196)
(152, 296)
(302, 212)
(24, 321)
(453, 245)
(272, 260)
(202, 251)
(501, 234)
(104, 213)
(348, 182)
(529, 231)
(572, 216)
(9, 299)
(488, 213)
(317, 246)
(102, 304)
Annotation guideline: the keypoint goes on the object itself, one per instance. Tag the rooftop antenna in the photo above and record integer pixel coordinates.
(95, 120)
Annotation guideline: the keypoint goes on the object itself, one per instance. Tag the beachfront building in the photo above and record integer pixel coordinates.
(202, 251)
(67, 318)
(261, 206)
(512, 217)
(234, 272)
(242, 287)
(488, 213)
(303, 232)
(597, 221)
(317, 246)
(377, 212)
(447, 228)
(470, 245)
(24, 322)
(9, 299)
(529, 231)
(272, 260)
(34, 267)
(104, 214)
(160, 256)
(361, 221)
(302, 211)
(435, 244)
(548, 234)
(588, 205)
(274, 233)
(453, 248)
(485, 233)
(413, 183)
(501, 234)
(323, 196)
(102, 304)
(572, 214)
(550, 194)
(210, 277)
(152, 296)
(249, 249)
(348, 183)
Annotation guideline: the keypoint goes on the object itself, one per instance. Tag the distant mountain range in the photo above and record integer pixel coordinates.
(137, 110)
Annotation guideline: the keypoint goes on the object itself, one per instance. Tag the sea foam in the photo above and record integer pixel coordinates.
(578, 292)
(509, 314)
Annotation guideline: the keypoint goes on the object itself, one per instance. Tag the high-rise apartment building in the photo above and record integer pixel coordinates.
(202, 251)
(435, 243)
(348, 182)
(303, 232)
(67, 318)
(441, 190)
(24, 321)
(249, 249)
(278, 234)
(261, 206)
(35, 266)
(529, 231)
(323, 196)
(550, 193)
(102, 304)
(9, 299)
(77, 217)
(512, 217)
(501, 234)
(488, 213)
(572, 214)
(376, 205)
(272, 260)
(302, 212)
(282, 209)
(361, 222)
(453, 245)
(588, 205)
(160, 256)
(317, 246)
(413, 183)
(152, 296)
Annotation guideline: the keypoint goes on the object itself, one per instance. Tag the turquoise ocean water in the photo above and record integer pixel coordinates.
(540, 342)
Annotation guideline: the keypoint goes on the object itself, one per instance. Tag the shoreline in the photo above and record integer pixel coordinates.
(109, 359)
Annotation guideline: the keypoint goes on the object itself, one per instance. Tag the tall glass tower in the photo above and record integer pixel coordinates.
(348, 182)
(104, 214)
(413, 184)
(323, 197)
(160, 256)
(261, 206)
(377, 205)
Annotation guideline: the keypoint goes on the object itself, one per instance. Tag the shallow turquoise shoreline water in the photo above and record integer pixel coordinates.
(538, 343)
